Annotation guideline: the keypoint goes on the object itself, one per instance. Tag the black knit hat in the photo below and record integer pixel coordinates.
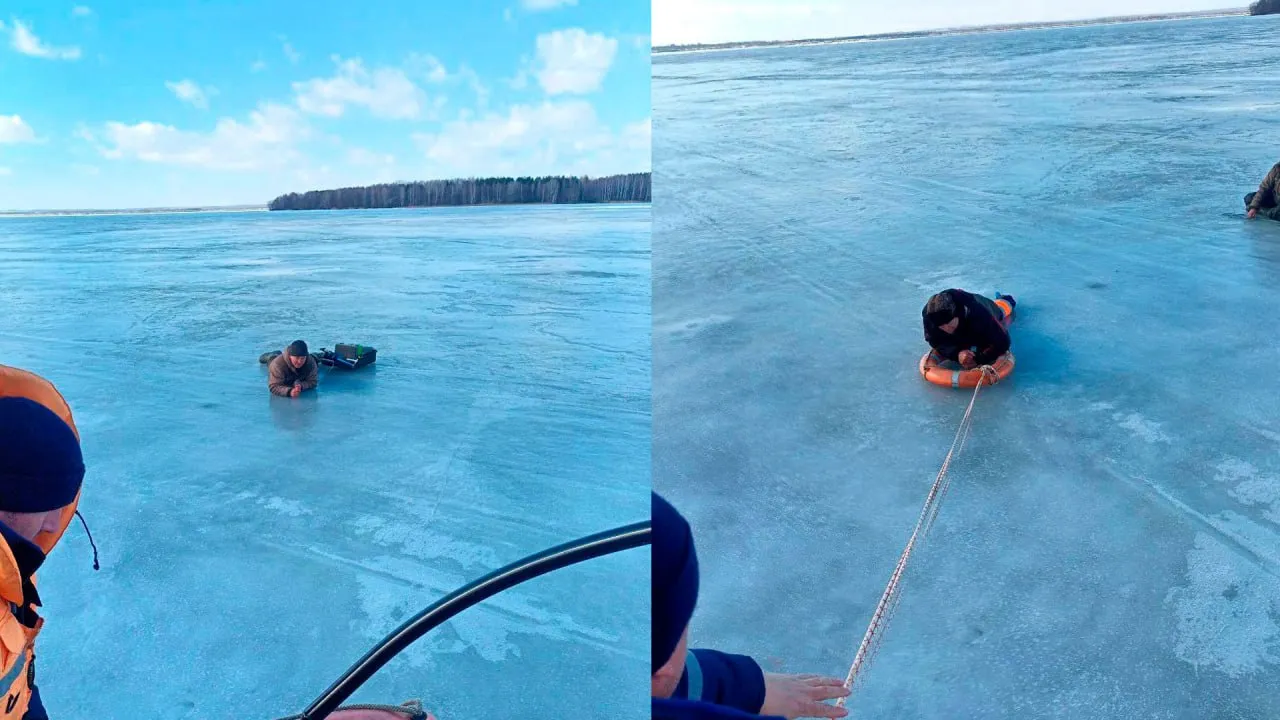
(41, 467)
(674, 578)
(297, 348)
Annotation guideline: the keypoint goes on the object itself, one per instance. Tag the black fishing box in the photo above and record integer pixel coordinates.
(351, 357)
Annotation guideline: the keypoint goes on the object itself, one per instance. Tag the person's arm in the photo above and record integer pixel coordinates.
(738, 682)
(995, 340)
(276, 382)
(942, 344)
(1266, 188)
(722, 679)
(311, 379)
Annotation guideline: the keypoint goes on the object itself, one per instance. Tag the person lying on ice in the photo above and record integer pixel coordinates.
(1266, 199)
(293, 372)
(706, 684)
(966, 328)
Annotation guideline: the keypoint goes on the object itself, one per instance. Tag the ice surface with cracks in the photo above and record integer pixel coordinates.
(1110, 544)
(255, 547)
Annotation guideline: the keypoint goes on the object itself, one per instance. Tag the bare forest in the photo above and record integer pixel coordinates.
(633, 187)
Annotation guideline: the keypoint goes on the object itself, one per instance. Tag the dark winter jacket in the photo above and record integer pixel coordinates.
(723, 679)
(281, 375)
(1267, 195)
(980, 328)
(678, 709)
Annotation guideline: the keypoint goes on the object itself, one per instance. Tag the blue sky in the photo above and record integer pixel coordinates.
(148, 103)
(712, 21)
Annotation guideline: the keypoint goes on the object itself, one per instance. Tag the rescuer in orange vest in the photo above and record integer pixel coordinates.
(41, 470)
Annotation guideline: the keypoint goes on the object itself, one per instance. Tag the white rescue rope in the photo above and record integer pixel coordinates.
(889, 600)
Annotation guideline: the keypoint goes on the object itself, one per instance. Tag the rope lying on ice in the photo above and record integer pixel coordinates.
(889, 600)
(412, 710)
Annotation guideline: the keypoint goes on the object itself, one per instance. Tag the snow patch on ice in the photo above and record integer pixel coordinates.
(423, 543)
(1226, 612)
(1142, 428)
(292, 508)
(1251, 486)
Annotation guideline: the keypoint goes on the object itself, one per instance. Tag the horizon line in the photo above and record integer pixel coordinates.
(959, 29)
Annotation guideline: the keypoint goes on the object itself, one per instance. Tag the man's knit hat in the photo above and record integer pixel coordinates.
(674, 577)
(41, 467)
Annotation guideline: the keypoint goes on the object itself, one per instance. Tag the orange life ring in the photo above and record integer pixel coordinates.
(932, 370)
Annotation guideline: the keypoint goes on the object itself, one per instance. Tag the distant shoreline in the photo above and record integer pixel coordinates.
(262, 208)
(132, 211)
(913, 34)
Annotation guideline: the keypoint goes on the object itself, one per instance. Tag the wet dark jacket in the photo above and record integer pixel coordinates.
(979, 328)
(281, 375)
(723, 679)
(678, 709)
(1267, 196)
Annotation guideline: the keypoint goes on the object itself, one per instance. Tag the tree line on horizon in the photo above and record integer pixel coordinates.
(632, 187)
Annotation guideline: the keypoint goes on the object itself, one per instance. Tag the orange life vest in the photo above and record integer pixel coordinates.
(17, 641)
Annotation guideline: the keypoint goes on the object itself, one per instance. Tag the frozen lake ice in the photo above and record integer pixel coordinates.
(255, 547)
(1110, 544)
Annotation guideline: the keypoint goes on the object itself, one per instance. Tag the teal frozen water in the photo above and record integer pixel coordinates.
(254, 547)
(1110, 545)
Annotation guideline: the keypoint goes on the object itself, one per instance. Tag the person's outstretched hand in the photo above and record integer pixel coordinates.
(967, 359)
(802, 696)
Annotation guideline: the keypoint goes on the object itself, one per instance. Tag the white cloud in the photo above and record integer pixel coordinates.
(506, 15)
(537, 5)
(556, 138)
(189, 92)
(386, 92)
(25, 41)
(433, 69)
(319, 177)
(14, 130)
(267, 139)
(293, 55)
(81, 11)
(573, 61)
(521, 79)
(638, 135)
(5, 171)
(363, 157)
(477, 87)
(258, 66)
